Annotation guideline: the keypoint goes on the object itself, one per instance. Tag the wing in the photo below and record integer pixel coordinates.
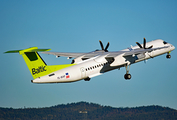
(76, 55)
(142, 51)
(65, 54)
(133, 52)
(108, 54)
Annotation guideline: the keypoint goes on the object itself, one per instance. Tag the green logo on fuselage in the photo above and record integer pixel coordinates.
(38, 70)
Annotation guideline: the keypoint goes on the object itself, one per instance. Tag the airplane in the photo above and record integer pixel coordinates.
(88, 65)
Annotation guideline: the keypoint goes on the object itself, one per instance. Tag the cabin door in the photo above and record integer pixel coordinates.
(83, 73)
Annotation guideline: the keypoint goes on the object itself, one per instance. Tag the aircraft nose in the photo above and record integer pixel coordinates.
(172, 47)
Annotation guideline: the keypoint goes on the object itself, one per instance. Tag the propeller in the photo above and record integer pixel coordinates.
(102, 47)
(144, 45)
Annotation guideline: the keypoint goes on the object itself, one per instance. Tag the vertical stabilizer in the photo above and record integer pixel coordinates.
(35, 63)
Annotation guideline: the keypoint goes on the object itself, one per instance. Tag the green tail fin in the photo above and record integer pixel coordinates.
(35, 63)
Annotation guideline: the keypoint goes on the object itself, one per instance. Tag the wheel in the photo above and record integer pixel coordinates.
(127, 76)
(87, 79)
(168, 56)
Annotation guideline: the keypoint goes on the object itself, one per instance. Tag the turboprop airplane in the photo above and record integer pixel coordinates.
(88, 65)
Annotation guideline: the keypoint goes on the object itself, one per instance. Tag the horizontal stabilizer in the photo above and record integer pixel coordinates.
(32, 49)
(13, 51)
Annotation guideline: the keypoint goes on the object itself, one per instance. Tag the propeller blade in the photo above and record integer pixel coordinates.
(139, 44)
(150, 47)
(144, 44)
(101, 45)
(106, 48)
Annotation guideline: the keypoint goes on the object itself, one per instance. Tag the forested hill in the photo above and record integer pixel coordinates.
(89, 111)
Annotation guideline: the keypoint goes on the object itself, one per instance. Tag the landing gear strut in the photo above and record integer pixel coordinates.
(127, 76)
(168, 55)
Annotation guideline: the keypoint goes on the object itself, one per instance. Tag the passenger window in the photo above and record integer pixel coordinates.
(51, 74)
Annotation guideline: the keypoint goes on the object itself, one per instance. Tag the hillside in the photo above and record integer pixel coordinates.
(89, 111)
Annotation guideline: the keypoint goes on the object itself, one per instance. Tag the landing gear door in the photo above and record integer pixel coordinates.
(83, 73)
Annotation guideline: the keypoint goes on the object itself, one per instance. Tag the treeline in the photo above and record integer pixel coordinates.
(89, 111)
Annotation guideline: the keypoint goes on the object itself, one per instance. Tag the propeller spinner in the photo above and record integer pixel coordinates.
(102, 47)
(144, 45)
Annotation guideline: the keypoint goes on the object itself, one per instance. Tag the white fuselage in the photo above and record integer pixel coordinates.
(99, 64)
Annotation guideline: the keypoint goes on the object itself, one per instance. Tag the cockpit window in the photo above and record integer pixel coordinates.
(164, 42)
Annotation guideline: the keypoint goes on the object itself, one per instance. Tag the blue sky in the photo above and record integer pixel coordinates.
(77, 26)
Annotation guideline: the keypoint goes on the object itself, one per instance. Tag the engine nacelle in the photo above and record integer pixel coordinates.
(119, 60)
(78, 60)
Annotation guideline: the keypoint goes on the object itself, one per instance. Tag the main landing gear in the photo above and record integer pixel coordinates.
(168, 55)
(87, 79)
(127, 76)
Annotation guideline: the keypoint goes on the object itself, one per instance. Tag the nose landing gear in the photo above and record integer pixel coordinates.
(168, 55)
(127, 76)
